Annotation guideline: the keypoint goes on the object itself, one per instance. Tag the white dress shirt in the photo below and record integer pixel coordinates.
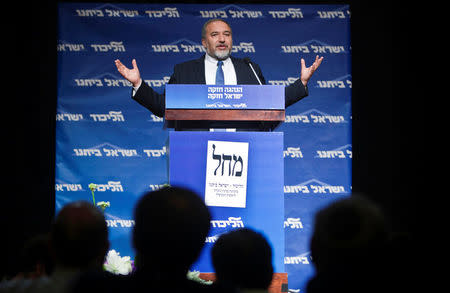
(229, 73)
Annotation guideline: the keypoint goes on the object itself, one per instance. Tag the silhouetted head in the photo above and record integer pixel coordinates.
(79, 237)
(243, 258)
(36, 260)
(171, 225)
(349, 232)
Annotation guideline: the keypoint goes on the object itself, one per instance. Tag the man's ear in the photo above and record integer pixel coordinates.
(204, 43)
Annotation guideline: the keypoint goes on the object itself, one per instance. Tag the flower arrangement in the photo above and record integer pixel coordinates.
(116, 264)
(195, 276)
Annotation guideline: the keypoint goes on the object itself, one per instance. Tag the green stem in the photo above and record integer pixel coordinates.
(93, 197)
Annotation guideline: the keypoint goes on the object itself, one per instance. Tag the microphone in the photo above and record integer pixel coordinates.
(249, 63)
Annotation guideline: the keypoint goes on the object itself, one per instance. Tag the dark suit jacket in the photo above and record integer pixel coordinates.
(193, 72)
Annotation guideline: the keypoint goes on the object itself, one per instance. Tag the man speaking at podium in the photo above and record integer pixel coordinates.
(215, 67)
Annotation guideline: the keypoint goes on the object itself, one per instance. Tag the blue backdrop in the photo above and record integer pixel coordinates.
(104, 137)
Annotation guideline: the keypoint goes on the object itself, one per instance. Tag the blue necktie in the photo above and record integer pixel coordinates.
(219, 74)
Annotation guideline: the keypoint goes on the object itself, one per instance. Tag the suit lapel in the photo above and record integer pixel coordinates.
(199, 70)
(243, 73)
(240, 76)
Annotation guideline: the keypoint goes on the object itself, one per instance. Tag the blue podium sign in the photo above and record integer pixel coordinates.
(251, 97)
(263, 165)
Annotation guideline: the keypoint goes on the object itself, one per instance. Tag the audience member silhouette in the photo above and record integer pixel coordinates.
(242, 259)
(171, 225)
(347, 247)
(78, 243)
(35, 259)
(80, 237)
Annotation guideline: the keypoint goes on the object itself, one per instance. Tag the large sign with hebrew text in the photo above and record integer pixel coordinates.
(188, 96)
(106, 138)
(226, 183)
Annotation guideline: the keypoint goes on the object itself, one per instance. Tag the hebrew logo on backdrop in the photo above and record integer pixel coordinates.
(226, 174)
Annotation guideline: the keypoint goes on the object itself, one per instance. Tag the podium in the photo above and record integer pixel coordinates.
(244, 107)
(224, 147)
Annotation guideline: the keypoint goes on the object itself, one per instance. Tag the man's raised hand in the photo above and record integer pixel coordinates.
(132, 75)
(307, 72)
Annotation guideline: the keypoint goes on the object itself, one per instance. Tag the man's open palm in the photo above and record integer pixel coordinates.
(307, 72)
(132, 75)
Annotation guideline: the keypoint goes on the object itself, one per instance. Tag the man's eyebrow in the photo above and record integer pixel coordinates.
(216, 32)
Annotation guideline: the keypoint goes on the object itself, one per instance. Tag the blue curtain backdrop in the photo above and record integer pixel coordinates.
(104, 137)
